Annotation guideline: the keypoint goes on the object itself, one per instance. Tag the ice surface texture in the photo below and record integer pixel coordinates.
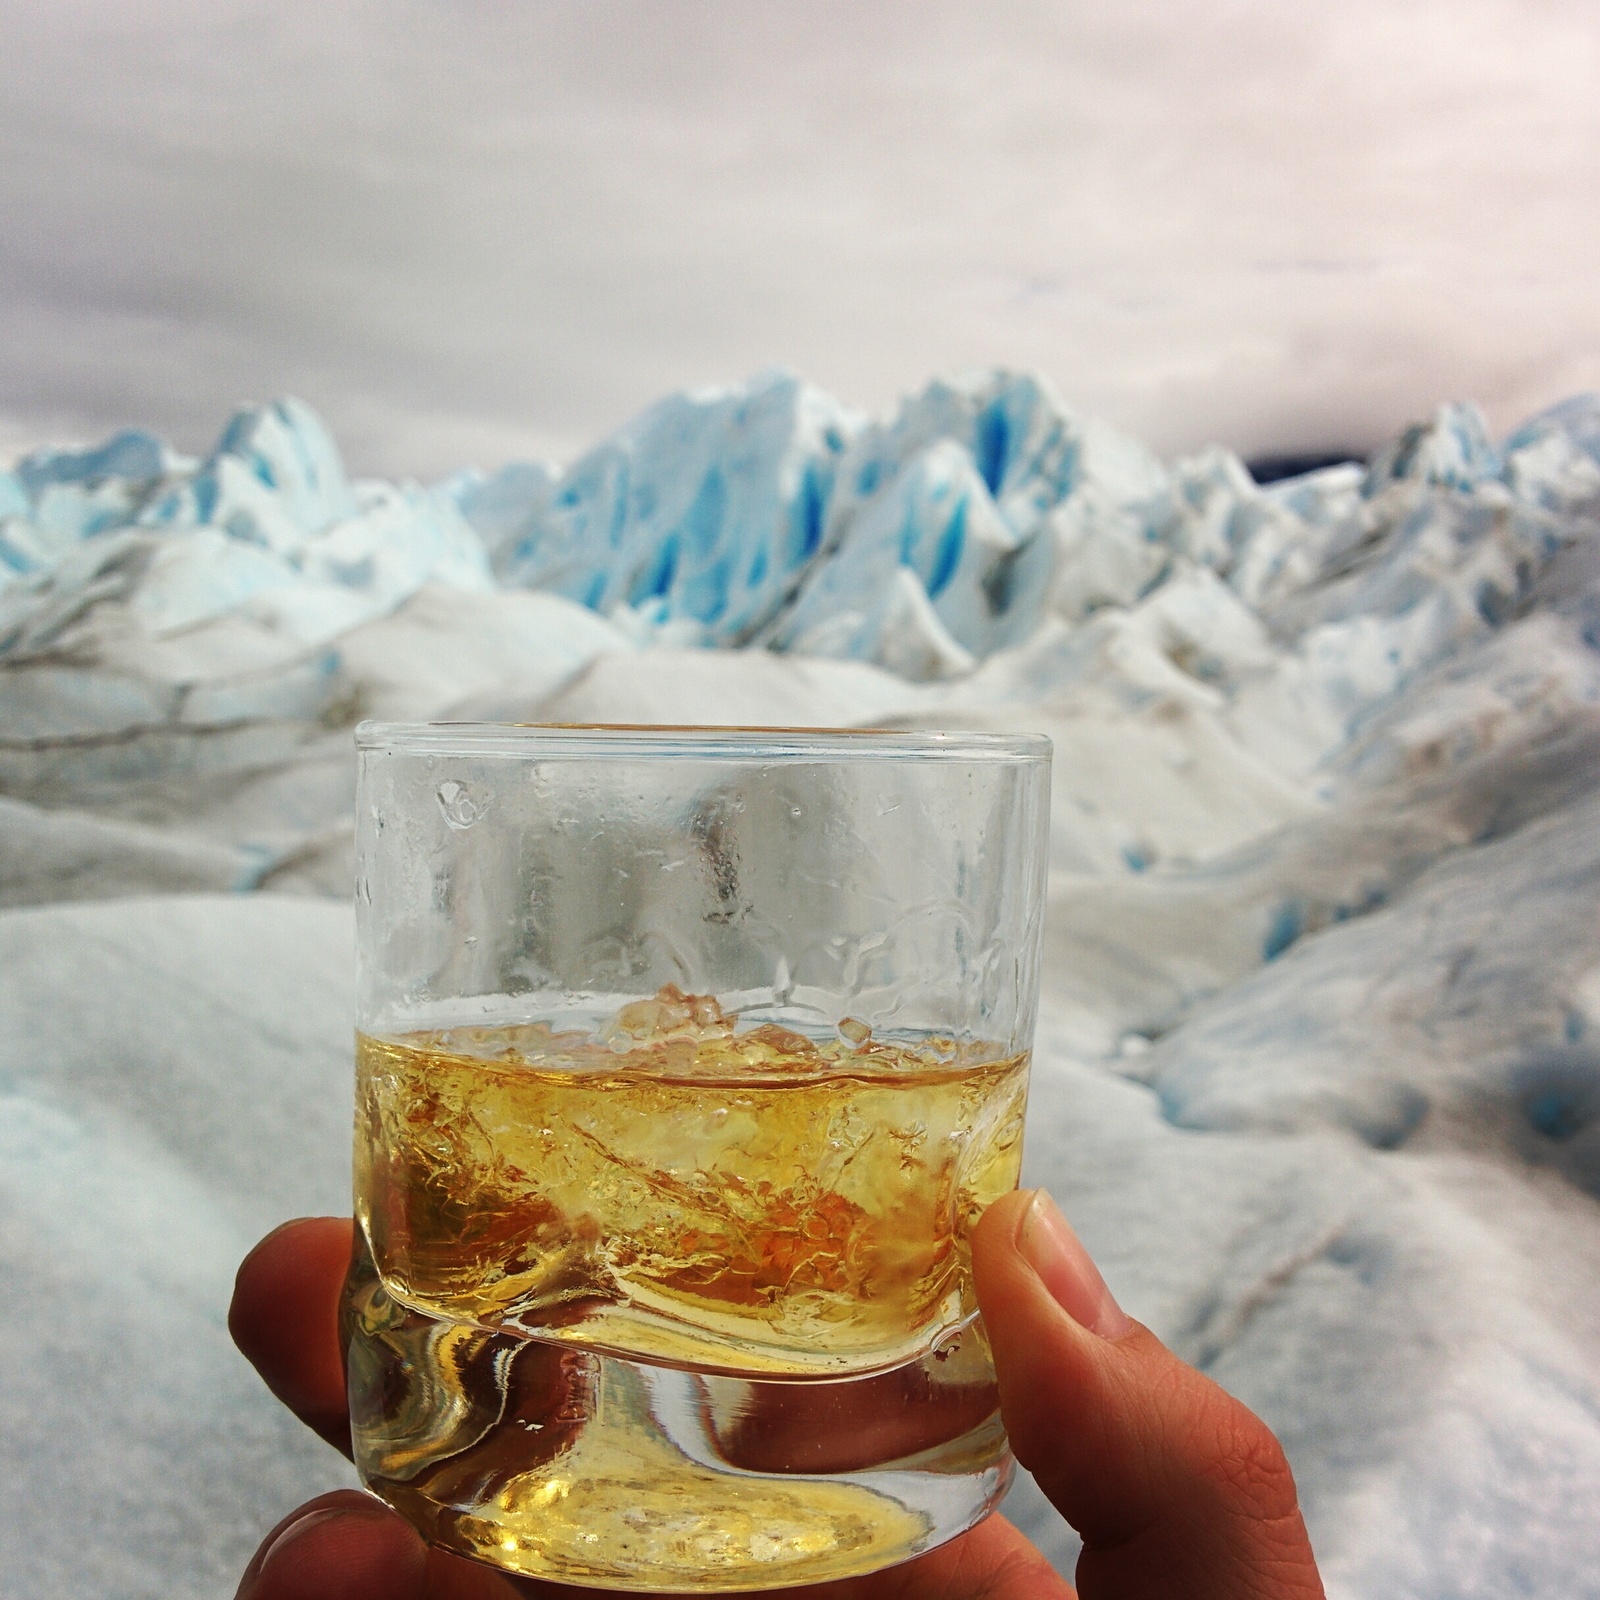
(1319, 1063)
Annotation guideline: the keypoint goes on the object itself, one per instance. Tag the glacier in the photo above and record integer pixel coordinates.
(1318, 1068)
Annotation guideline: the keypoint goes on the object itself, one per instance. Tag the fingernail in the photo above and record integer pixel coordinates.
(1048, 1244)
(286, 1536)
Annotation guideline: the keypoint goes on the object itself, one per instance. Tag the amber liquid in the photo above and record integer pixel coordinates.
(604, 1275)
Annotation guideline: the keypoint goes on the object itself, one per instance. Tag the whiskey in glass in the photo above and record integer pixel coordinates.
(687, 1061)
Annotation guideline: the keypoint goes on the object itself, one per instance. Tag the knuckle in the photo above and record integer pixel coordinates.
(1241, 1459)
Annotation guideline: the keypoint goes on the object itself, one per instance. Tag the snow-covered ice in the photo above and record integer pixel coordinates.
(1319, 1058)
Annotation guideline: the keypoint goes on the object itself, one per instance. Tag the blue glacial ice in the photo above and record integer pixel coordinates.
(706, 511)
(267, 525)
(771, 515)
(1317, 1072)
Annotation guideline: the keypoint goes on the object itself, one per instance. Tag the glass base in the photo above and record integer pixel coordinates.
(557, 1462)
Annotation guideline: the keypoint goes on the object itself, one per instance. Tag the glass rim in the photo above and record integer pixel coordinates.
(612, 741)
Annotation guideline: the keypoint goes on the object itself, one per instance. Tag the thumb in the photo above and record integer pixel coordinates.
(1175, 1487)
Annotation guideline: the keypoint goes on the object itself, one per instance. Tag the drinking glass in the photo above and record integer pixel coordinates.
(687, 1059)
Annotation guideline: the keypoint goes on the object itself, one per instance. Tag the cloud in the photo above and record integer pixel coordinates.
(474, 230)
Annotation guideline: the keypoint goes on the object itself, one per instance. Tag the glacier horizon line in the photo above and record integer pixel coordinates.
(765, 513)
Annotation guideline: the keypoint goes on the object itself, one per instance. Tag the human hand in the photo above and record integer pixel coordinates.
(1176, 1488)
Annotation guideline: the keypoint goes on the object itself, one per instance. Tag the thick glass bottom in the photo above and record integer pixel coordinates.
(558, 1462)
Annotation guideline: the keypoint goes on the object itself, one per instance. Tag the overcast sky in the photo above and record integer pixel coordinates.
(469, 230)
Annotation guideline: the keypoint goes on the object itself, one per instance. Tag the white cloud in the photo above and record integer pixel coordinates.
(477, 230)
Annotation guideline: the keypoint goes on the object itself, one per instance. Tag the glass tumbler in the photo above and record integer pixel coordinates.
(686, 1060)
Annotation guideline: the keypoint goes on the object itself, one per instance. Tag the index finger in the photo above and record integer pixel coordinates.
(285, 1319)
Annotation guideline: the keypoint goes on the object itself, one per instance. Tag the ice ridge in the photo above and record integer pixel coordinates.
(164, 616)
(771, 514)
